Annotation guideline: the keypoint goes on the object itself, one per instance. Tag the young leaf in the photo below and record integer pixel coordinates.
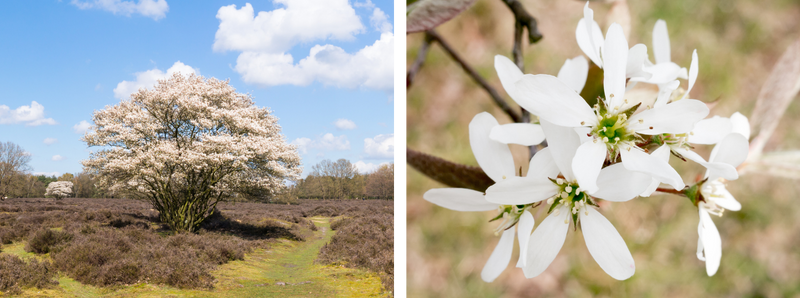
(449, 173)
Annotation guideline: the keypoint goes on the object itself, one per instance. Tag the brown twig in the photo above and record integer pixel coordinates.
(447, 172)
(423, 52)
(672, 191)
(477, 77)
(524, 19)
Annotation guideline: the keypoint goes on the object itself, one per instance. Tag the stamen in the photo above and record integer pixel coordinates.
(616, 139)
(605, 139)
(560, 181)
(583, 123)
(568, 188)
(641, 121)
(504, 176)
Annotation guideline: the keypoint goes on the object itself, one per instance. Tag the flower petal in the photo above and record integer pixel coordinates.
(493, 157)
(615, 60)
(589, 36)
(521, 191)
(712, 244)
(740, 124)
(636, 160)
(549, 98)
(459, 199)
(606, 245)
(500, 257)
(574, 73)
(509, 74)
(587, 163)
(732, 150)
(710, 131)
(675, 117)
(716, 191)
(661, 47)
(661, 153)
(563, 142)
(524, 229)
(718, 169)
(692, 74)
(525, 134)
(542, 165)
(665, 92)
(546, 241)
(635, 66)
(618, 184)
(662, 73)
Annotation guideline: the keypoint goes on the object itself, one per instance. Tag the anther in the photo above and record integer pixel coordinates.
(651, 127)
(560, 181)
(568, 188)
(616, 139)
(626, 101)
(583, 123)
(612, 95)
(691, 133)
(605, 139)
(564, 195)
(641, 121)
(504, 176)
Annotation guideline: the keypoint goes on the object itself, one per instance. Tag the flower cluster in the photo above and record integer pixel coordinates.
(602, 146)
(59, 189)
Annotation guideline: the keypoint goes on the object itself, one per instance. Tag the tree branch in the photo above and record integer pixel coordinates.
(525, 20)
(423, 52)
(449, 173)
(493, 93)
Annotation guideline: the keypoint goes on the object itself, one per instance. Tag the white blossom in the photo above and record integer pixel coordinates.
(59, 189)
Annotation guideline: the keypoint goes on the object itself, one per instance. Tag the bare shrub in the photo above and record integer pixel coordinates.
(16, 274)
(46, 240)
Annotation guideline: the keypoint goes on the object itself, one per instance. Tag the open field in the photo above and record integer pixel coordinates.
(117, 248)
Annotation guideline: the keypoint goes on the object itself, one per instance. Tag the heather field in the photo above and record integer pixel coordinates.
(116, 247)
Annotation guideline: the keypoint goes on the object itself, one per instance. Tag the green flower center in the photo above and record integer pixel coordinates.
(570, 196)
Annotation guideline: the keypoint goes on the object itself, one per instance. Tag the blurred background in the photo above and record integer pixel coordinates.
(738, 43)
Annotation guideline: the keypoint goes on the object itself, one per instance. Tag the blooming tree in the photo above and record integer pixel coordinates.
(59, 189)
(186, 145)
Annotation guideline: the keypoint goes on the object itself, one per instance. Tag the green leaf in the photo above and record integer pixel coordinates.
(422, 15)
(449, 173)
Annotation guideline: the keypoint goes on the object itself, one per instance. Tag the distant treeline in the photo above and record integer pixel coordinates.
(341, 180)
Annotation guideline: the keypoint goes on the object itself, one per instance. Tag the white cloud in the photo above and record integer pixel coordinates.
(327, 142)
(345, 124)
(149, 78)
(279, 30)
(365, 4)
(365, 168)
(32, 115)
(50, 141)
(302, 144)
(48, 174)
(381, 146)
(370, 67)
(58, 157)
(81, 127)
(155, 9)
(265, 39)
(380, 21)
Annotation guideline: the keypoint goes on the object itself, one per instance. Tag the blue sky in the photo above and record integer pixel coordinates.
(72, 57)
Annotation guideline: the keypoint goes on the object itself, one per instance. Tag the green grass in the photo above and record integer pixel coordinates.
(285, 261)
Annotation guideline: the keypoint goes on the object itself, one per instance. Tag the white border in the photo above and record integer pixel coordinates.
(400, 149)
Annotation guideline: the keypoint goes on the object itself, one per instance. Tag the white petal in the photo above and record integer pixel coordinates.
(509, 74)
(712, 244)
(710, 131)
(524, 229)
(717, 169)
(675, 117)
(618, 184)
(521, 191)
(589, 36)
(664, 93)
(716, 191)
(459, 199)
(615, 60)
(584, 133)
(546, 241)
(525, 134)
(693, 68)
(574, 73)
(493, 157)
(731, 150)
(740, 124)
(662, 73)
(550, 99)
(500, 257)
(661, 49)
(542, 165)
(635, 66)
(661, 153)
(563, 142)
(606, 245)
(639, 161)
(587, 163)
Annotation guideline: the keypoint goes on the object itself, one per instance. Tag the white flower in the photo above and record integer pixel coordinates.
(715, 199)
(573, 73)
(568, 200)
(590, 40)
(664, 70)
(496, 161)
(614, 128)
